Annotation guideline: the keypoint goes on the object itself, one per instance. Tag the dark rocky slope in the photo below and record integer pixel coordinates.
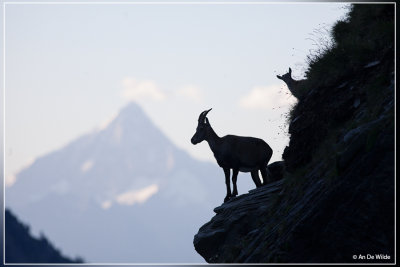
(21, 247)
(336, 199)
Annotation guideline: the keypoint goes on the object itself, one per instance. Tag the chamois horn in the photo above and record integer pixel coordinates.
(203, 115)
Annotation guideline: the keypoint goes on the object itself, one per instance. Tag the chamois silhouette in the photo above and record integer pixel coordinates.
(295, 86)
(245, 154)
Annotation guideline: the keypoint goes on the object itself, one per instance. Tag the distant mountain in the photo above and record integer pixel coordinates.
(21, 247)
(124, 193)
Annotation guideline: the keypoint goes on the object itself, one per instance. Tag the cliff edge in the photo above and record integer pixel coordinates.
(335, 202)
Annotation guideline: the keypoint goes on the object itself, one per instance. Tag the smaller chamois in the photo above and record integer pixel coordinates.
(295, 86)
(245, 154)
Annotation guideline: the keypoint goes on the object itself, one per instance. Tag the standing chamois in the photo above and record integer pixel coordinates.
(245, 154)
(295, 86)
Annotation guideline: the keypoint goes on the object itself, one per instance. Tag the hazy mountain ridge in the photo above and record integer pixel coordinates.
(21, 247)
(123, 183)
(147, 156)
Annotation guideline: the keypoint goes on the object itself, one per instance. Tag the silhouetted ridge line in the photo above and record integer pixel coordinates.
(21, 247)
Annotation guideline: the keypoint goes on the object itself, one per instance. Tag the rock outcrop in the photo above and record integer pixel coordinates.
(239, 215)
(335, 201)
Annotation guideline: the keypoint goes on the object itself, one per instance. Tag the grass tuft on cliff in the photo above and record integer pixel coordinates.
(363, 36)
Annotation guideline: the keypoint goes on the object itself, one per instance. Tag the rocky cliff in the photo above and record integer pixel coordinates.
(335, 202)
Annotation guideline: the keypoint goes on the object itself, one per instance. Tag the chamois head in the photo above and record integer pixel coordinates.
(286, 77)
(202, 128)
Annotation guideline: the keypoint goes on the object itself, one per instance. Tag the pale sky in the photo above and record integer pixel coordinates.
(71, 67)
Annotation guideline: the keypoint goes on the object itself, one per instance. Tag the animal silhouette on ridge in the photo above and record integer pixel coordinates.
(245, 154)
(295, 86)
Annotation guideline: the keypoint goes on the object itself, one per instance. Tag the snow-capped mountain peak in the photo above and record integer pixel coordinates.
(129, 164)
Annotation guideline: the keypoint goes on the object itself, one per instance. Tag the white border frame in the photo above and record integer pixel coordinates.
(182, 3)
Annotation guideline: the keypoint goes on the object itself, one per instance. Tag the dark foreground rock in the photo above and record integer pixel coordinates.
(276, 170)
(337, 206)
(322, 219)
(238, 215)
(336, 201)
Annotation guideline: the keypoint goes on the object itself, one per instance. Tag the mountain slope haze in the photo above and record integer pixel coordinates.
(124, 193)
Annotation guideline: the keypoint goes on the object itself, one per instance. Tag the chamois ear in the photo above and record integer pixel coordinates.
(290, 71)
(279, 77)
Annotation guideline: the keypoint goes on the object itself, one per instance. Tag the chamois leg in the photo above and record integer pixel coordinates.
(228, 184)
(266, 175)
(256, 178)
(234, 180)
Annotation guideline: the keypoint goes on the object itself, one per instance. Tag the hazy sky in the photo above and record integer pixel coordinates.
(71, 67)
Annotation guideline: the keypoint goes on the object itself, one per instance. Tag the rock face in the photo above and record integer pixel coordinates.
(239, 215)
(335, 203)
(333, 213)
